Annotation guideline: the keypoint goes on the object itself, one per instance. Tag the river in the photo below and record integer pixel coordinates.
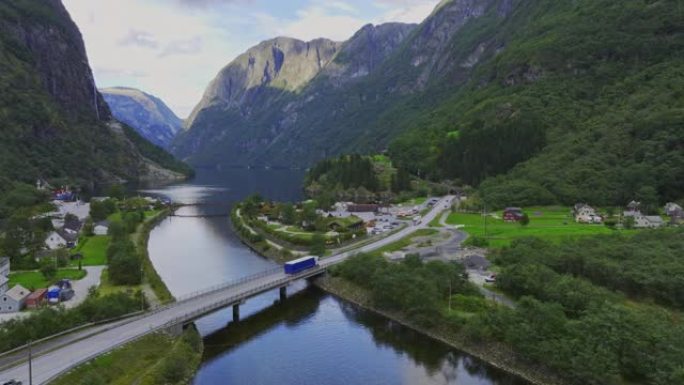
(311, 339)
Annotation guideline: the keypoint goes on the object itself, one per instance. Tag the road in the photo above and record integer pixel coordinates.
(50, 365)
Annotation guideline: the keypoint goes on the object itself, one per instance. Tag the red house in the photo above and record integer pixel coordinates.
(513, 214)
(36, 299)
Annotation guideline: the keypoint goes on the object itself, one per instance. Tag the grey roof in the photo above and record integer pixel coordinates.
(654, 219)
(3, 280)
(18, 293)
(73, 224)
(4, 261)
(104, 223)
(69, 237)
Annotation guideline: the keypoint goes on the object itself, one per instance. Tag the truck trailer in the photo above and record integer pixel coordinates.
(301, 264)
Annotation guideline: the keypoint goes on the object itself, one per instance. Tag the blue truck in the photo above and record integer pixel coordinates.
(301, 264)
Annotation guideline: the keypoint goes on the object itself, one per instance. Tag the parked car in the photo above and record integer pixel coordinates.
(491, 278)
(12, 382)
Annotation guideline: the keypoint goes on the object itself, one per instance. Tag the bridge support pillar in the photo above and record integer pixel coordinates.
(283, 293)
(175, 330)
(236, 312)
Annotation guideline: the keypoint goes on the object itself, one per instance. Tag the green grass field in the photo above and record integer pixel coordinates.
(33, 280)
(549, 223)
(94, 250)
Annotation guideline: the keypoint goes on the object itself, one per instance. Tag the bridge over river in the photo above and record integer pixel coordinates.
(50, 365)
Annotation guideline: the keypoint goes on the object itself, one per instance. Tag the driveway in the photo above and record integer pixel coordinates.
(82, 286)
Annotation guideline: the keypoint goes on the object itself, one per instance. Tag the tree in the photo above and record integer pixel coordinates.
(524, 220)
(288, 214)
(628, 222)
(317, 245)
(89, 227)
(117, 191)
(48, 269)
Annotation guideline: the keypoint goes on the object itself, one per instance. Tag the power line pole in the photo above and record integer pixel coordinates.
(30, 367)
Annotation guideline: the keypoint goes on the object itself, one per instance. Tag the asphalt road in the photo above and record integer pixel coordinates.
(50, 365)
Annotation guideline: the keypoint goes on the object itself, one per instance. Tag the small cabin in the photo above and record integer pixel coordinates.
(513, 214)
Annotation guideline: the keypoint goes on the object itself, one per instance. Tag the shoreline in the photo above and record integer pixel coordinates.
(155, 281)
(499, 357)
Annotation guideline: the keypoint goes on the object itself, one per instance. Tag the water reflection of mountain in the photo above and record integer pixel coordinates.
(438, 359)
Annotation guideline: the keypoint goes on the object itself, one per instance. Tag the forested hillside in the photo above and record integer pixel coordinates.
(55, 125)
(582, 101)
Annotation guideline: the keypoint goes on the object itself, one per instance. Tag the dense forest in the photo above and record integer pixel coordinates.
(602, 310)
(577, 101)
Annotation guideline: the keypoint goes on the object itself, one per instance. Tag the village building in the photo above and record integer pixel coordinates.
(101, 228)
(4, 284)
(644, 221)
(363, 208)
(14, 299)
(4, 266)
(60, 239)
(674, 211)
(586, 214)
(37, 299)
(513, 214)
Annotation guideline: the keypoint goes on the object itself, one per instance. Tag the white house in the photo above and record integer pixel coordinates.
(674, 210)
(4, 284)
(586, 214)
(101, 228)
(13, 300)
(60, 239)
(645, 221)
(4, 267)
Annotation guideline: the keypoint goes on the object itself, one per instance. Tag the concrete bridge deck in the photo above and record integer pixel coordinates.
(50, 365)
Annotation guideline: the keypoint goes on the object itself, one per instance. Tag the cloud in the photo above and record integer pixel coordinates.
(140, 39)
(183, 47)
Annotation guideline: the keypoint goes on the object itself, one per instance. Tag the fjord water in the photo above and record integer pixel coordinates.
(313, 338)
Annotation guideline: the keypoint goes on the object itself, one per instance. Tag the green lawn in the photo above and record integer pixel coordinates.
(106, 287)
(414, 201)
(94, 250)
(550, 223)
(33, 280)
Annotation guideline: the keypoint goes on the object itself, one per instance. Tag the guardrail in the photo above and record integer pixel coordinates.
(194, 314)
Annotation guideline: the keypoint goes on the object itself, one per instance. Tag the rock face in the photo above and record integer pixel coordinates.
(338, 106)
(148, 115)
(256, 104)
(55, 124)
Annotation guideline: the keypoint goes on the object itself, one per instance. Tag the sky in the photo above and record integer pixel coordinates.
(173, 48)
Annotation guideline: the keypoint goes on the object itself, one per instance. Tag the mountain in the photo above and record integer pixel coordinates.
(250, 113)
(55, 124)
(147, 114)
(534, 101)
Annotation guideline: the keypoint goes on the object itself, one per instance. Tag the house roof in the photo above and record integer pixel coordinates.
(69, 237)
(513, 209)
(363, 208)
(654, 219)
(3, 280)
(104, 223)
(18, 292)
(73, 224)
(4, 261)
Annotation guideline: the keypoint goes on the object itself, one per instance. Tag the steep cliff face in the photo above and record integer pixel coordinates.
(147, 114)
(55, 124)
(260, 108)
(272, 68)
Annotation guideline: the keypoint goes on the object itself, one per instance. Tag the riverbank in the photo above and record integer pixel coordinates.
(141, 239)
(496, 355)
